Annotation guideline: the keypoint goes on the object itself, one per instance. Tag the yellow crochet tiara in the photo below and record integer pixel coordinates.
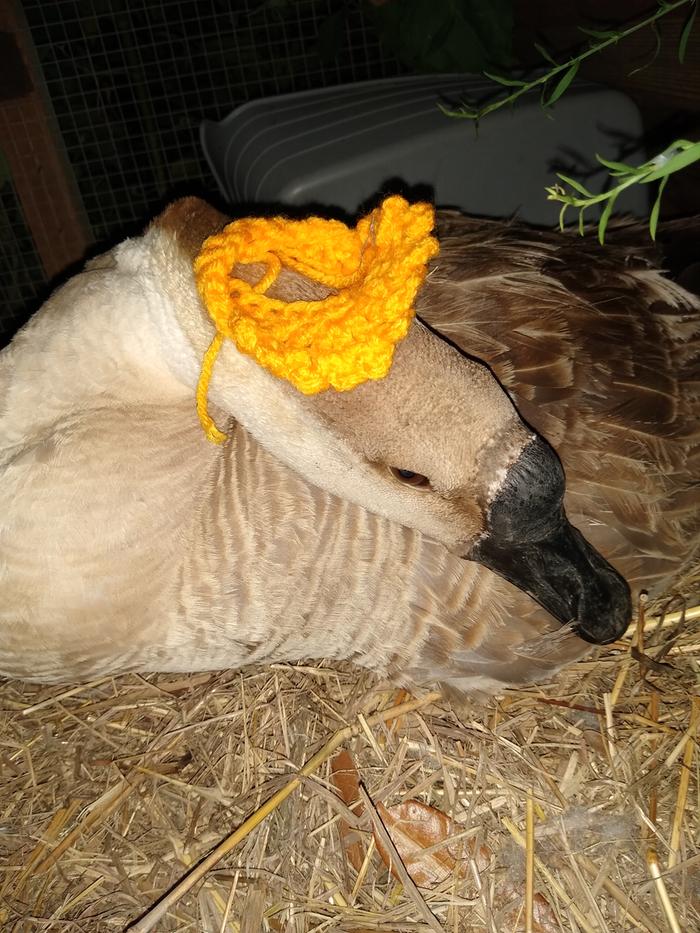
(375, 271)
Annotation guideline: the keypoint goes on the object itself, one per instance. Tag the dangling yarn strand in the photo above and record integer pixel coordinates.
(375, 270)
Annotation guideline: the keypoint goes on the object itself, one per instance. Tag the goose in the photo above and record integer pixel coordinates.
(413, 525)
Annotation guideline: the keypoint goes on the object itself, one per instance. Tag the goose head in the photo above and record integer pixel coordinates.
(436, 445)
(455, 461)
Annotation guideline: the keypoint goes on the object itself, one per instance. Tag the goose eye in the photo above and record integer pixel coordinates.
(409, 478)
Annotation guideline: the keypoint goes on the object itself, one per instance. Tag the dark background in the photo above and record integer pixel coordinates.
(101, 100)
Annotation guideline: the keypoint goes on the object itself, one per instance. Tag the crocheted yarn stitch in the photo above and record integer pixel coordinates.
(374, 270)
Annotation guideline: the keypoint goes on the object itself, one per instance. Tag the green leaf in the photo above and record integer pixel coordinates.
(676, 162)
(562, 84)
(654, 55)
(462, 111)
(496, 104)
(576, 185)
(447, 36)
(422, 32)
(685, 34)
(620, 168)
(493, 22)
(545, 54)
(331, 36)
(605, 217)
(506, 82)
(602, 34)
(462, 48)
(563, 211)
(654, 216)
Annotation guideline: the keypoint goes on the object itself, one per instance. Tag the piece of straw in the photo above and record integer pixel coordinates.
(623, 899)
(397, 865)
(529, 861)
(153, 916)
(662, 893)
(683, 785)
(652, 856)
(549, 877)
(93, 818)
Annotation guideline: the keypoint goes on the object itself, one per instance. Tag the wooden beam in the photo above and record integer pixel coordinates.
(664, 81)
(32, 146)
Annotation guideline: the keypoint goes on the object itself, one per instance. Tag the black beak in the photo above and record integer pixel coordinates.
(530, 542)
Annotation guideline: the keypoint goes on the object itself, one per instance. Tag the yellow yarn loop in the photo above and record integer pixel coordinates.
(348, 338)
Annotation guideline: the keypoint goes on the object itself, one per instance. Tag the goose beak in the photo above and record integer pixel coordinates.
(530, 542)
(567, 577)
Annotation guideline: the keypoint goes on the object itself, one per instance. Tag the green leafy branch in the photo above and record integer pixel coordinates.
(677, 156)
(566, 71)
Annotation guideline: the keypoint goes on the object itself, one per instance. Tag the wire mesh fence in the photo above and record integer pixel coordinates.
(22, 280)
(129, 83)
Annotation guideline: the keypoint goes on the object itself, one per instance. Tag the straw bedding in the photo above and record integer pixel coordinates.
(111, 792)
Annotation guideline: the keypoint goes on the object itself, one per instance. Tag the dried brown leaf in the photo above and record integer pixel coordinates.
(545, 920)
(416, 827)
(347, 781)
(401, 697)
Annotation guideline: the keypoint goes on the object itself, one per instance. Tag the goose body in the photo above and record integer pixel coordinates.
(129, 542)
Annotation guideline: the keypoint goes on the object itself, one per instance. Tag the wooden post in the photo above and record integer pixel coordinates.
(32, 146)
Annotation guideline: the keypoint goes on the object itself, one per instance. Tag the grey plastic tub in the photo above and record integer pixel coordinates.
(340, 146)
